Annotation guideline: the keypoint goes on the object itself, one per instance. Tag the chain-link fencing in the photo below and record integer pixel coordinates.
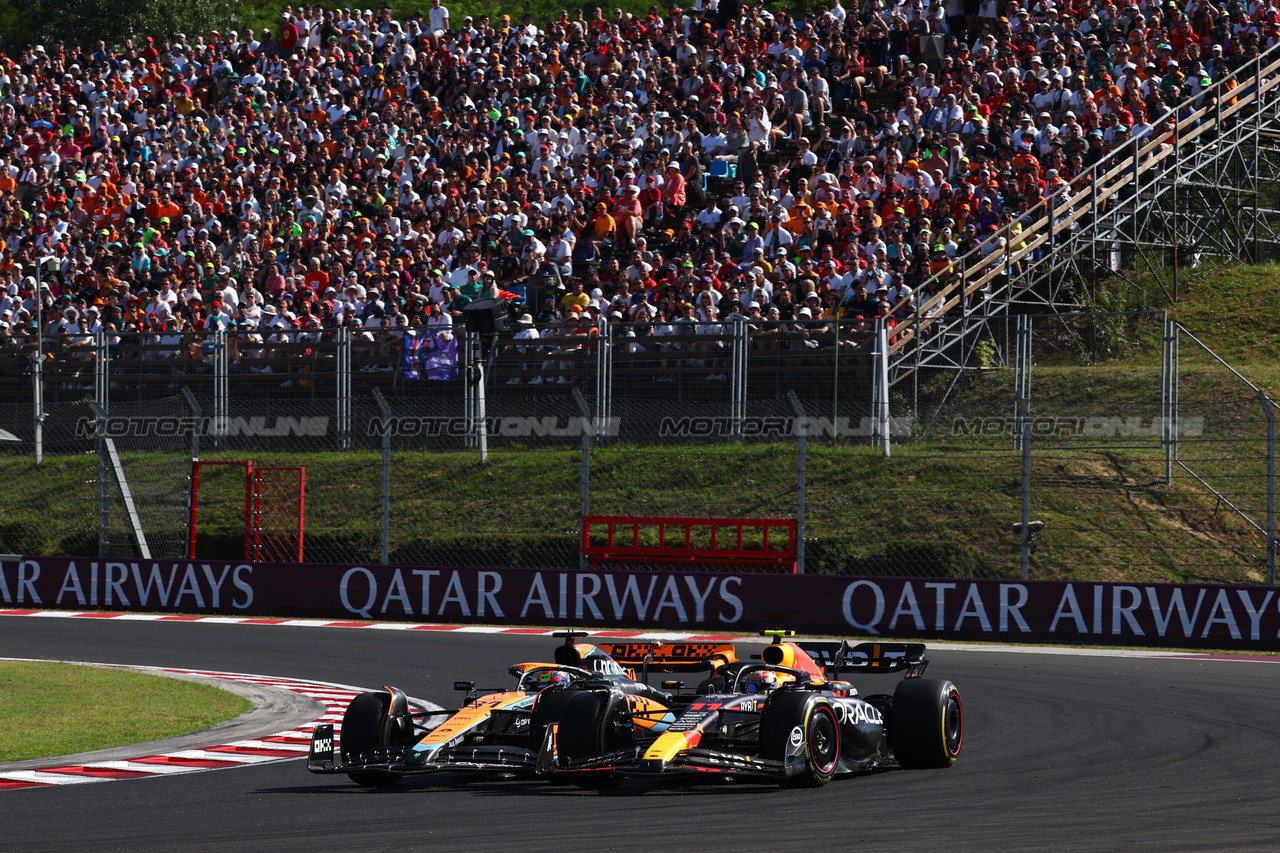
(1105, 446)
(683, 442)
(1227, 449)
(930, 495)
(1102, 437)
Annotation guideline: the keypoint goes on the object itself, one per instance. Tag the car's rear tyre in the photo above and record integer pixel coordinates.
(926, 723)
(591, 724)
(363, 728)
(812, 716)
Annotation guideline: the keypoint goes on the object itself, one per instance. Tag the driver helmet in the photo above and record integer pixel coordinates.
(764, 681)
(536, 682)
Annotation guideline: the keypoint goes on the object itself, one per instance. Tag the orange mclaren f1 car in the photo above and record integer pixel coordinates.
(383, 738)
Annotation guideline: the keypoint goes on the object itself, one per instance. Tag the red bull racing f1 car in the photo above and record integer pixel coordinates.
(786, 716)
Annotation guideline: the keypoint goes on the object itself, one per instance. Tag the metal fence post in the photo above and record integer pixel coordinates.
(101, 374)
(1269, 409)
(1255, 128)
(37, 398)
(881, 401)
(477, 429)
(198, 424)
(1167, 368)
(1174, 403)
(384, 525)
(197, 427)
(738, 377)
(584, 476)
(604, 381)
(1093, 247)
(221, 389)
(802, 430)
(343, 387)
(1008, 268)
(835, 385)
(1021, 373)
(875, 387)
(478, 377)
(104, 493)
(1024, 528)
(465, 361)
(1137, 193)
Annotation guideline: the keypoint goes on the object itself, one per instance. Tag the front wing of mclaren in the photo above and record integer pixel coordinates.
(404, 760)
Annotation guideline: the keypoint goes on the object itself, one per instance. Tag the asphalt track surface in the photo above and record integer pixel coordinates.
(1060, 753)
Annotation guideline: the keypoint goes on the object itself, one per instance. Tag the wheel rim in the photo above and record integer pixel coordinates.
(954, 724)
(824, 741)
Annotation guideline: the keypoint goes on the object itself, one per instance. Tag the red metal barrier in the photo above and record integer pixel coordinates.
(766, 544)
(196, 467)
(279, 519)
(274, 511)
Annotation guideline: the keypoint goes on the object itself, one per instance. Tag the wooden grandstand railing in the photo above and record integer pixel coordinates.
(1064, 210)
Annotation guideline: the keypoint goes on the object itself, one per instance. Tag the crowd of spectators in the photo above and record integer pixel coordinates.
(345, 169)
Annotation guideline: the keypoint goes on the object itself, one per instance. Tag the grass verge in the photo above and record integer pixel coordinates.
(52, 709)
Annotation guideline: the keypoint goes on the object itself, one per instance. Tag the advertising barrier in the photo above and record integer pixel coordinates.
(1180, 615)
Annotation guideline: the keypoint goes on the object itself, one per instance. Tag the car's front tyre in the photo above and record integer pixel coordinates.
(795, 717)
(592, 724)
(364, 727)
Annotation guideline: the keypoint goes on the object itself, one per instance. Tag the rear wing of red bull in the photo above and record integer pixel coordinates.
(671, 657)
(839, 657)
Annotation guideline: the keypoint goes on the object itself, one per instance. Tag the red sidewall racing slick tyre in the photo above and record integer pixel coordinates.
(812, 717)
(926, 723)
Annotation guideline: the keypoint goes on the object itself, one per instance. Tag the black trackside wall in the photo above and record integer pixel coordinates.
(1244, 618)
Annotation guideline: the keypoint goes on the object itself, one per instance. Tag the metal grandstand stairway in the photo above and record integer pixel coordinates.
(1203, 186)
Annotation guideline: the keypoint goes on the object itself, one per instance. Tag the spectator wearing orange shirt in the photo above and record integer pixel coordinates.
(316, 279)
(603, 226)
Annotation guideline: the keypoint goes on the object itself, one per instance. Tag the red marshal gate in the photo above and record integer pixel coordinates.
(274, 511)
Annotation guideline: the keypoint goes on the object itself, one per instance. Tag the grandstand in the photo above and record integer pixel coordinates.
(349, 171)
